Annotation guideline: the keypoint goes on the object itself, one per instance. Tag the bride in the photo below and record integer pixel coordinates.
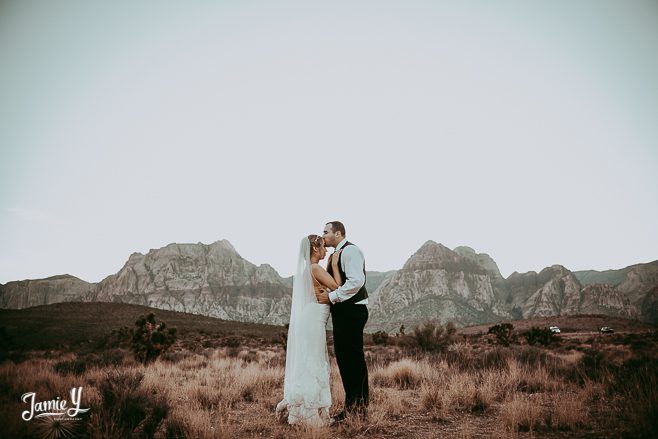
(306, 387)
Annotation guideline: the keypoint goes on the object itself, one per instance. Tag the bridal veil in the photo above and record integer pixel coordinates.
(306, 388)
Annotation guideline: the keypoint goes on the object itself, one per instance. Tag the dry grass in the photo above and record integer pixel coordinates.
(521, 413)
(216, 395)
(570, 411)
(402, 374)
(471, 390)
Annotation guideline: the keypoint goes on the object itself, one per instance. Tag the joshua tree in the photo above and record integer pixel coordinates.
(150, 338)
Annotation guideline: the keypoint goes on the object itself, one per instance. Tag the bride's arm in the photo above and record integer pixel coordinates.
(323, 277)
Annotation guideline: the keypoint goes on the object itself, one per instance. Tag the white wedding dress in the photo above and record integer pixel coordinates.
(306, 387)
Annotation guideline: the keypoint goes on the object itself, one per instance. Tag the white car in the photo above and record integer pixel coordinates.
(554, 329)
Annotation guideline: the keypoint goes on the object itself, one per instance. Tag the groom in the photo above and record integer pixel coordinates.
(349, 315)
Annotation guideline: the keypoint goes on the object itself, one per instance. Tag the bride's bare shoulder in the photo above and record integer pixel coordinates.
(317, 267)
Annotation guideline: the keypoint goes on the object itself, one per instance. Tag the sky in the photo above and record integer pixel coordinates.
(525, 130)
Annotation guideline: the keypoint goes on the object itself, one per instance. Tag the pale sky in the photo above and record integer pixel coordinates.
(526, 130)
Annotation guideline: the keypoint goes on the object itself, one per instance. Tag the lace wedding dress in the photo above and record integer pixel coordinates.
(306, 388)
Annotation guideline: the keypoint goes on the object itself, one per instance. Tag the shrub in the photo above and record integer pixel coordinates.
(121, 337)
(380, 337)
(150, 338)
(6, 341)
(542, 336)
(637, 381)
(283, 337)
(432, 337)
(521, 414)
(403, 374)
(231, 342)
(127, 411)
(504, 333)
(496, 358)
(77, 367)
(595, 366)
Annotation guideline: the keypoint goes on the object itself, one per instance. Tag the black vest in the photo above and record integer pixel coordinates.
(362, 293)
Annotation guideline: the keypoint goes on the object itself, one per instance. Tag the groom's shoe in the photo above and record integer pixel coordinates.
(338, 419)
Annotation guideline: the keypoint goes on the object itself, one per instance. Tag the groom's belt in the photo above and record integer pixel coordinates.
(359, 296)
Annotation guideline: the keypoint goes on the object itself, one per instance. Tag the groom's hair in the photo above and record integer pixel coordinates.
(337, 226)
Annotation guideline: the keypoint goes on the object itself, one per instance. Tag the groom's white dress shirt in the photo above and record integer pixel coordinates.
(353, 269)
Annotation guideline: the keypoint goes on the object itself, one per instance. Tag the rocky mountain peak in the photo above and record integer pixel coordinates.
(554, 271)
(482, 259)
(464, 250)
(223, 244)
(431, 255)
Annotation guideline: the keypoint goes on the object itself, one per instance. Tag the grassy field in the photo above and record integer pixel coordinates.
(223, 379)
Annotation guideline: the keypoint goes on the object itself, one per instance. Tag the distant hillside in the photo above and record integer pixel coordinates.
(72, 323)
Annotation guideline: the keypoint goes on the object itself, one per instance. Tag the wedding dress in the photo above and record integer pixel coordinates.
(306, 387)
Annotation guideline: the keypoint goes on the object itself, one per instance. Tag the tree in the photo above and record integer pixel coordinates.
(151, 338)
(504, 333)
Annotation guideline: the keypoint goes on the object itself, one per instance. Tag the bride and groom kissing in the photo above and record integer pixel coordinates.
(338, 291)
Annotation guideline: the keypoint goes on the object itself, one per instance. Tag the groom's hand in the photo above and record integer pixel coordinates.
(322, 296)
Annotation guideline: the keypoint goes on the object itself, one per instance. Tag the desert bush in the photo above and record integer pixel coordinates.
(79, 365)
(126, 411)
(464, 391)
(231, 342)
(460, 354)
(496, 358)
(407, 343)
(403, 374)
(76, 366)
(6, 341)
(542, 336)
(150, 338)
(493, 385)
(521, 413)
(433, 337)
(569, 411)
(432, 399)
(380, 337)
(504, 333)
(248, 356)
(537, 379)
(175, 356)
(594, 365)
(532, 356)
(637, 381)
(121, 337)
(461, 392)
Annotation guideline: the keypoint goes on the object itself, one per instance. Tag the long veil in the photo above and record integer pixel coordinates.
(304, 388)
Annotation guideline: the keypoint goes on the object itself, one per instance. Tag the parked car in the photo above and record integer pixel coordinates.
(606, 330)
(554, 329)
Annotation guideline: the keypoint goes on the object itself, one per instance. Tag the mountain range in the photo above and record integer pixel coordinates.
(436, 282)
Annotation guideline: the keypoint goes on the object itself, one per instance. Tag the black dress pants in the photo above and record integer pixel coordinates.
(348, 321)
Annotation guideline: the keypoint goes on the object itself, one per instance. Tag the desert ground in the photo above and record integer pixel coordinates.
(223, 379)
